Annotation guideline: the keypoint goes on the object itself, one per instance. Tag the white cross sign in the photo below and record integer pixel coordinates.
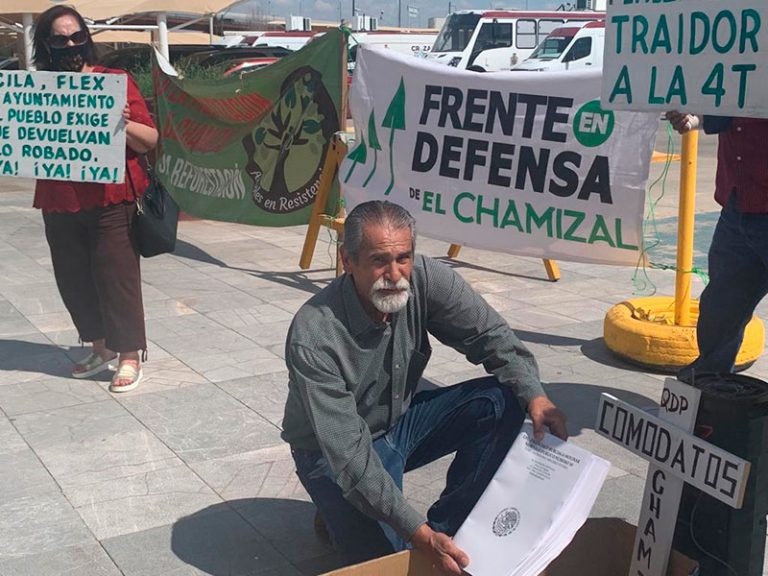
(676, 457)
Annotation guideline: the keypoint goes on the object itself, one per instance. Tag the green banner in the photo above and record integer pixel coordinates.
(250, 148)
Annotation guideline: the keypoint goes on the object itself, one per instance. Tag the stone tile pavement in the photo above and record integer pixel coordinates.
(187, 474)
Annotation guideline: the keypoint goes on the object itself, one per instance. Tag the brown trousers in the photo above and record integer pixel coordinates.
(96, 265)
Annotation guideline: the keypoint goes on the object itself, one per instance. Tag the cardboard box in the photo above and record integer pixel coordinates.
(601, 548)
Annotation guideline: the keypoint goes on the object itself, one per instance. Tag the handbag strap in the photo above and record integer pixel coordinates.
(130, 180)
(136, 198)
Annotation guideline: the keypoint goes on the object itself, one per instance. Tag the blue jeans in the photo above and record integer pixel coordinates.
(738, 280)
(478, 419)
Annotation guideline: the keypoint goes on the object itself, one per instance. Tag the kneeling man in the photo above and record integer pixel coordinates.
(355, 423)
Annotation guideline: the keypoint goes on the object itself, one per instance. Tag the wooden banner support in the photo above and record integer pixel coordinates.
(553, 270)
(336, 152)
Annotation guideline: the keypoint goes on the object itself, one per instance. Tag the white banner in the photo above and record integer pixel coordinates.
(702, 56)
(524, 163)
(62, 126)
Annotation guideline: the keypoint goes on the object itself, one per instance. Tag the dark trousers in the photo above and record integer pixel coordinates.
(96, 265)
(738, 281)
(478, 420)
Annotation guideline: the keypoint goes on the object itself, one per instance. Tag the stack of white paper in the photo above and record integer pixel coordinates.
(540, 496)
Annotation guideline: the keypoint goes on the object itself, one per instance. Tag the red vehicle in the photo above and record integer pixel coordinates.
(249, 65)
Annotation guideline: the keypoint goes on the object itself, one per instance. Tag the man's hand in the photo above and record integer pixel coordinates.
(439, 547)
(681, 121)
(544, 413)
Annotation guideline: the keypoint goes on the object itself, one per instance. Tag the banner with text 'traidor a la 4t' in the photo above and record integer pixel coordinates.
(526, 162)
(62, 126)
(701, 56)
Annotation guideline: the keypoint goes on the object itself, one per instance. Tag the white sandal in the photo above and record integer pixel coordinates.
(93, 364)
(126, 371)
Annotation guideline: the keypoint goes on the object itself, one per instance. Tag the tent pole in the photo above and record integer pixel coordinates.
(27, 22)
(162, 34)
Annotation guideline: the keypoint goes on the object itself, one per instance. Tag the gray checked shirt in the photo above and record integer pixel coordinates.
(350, 378)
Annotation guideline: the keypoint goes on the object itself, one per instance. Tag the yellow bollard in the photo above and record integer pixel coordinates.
(659, 332)
(685, 223)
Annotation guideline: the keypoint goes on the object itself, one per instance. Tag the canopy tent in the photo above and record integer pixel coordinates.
(144, 37)
(19, 14)
(104, 9)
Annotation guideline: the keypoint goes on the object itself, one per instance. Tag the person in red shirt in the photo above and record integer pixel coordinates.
(738, 255)
(89, 225)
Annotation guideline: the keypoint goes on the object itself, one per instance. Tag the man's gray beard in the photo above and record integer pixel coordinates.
(390, 303)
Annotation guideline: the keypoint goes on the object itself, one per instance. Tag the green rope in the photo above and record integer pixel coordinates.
(643, 285)
(651, 239)
(702, 274)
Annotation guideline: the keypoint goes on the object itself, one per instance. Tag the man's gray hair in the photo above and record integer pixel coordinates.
(375, 213)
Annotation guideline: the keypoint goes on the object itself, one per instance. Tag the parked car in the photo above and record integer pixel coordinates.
(292, 40)
(9, 63)
(237, 53)
(136, 57)
(140, 55)
(249, 65)
(569, 48)
(495, 40)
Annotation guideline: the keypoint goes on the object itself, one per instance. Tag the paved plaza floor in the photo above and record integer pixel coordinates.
(187, 474)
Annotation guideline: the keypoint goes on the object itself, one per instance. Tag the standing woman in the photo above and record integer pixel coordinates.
(89, 226)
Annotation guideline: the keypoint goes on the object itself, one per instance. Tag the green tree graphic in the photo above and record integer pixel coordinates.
(358, 155)
(290, 140)
(394, 119)
(373, 141)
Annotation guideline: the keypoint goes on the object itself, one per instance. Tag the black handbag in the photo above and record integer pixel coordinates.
(157, 218)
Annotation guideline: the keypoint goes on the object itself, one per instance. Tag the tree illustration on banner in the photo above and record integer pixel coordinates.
(394, 119)
(286, 149)
(373, 142)
(358, 156)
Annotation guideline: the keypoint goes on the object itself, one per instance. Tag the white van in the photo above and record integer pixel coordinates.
(492, 40)
(412, 43)
(292, 40)
(569, 48)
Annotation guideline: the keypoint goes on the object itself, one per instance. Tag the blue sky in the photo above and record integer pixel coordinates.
(385, 10)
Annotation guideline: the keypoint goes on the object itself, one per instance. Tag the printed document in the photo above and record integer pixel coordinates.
(539, 497)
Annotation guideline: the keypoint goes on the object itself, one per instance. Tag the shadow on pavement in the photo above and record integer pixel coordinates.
(597, 351)
(579, 402)
(594, 349)
(298, 280)
(453, 263)
(220, 540)
(548, 339)
(187, 250)
(49, 359)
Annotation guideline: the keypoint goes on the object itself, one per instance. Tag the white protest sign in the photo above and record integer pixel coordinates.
(709, 468)
(524, 163)
(661, 498)
(62, 126)
(701, 56)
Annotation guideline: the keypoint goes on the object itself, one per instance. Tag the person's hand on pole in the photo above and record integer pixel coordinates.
(682, 122)
(440, 549)
(543, 412)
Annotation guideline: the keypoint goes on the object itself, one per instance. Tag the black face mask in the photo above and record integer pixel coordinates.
(69, 58)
